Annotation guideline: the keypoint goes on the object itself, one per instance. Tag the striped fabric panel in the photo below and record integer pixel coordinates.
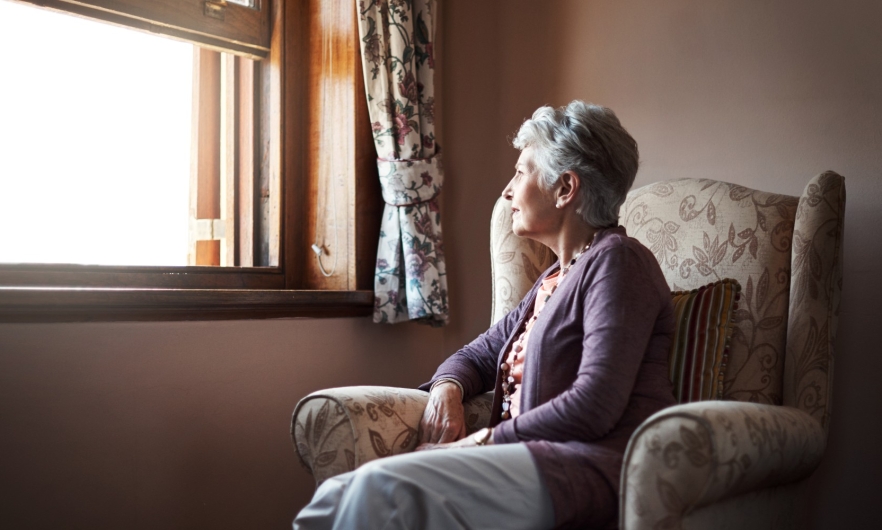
(701, 339)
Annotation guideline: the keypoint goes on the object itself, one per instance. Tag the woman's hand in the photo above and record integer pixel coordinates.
(443, 420)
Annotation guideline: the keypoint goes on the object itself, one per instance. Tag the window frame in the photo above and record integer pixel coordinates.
(298, 174)
(215, 24)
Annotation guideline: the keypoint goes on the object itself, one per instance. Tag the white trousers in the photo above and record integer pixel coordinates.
(495, 486)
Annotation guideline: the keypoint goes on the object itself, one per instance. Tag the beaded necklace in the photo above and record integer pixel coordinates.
(508, 380)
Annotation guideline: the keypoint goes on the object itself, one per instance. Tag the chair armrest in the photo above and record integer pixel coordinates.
(689, 456)
(338, 429)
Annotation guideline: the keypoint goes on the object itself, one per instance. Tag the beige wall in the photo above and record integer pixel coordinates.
(176, 425)
(185, 424)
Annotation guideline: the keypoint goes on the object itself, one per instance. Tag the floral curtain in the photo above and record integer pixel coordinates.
(397, 39)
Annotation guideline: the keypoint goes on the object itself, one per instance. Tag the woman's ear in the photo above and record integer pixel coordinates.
(567, 189)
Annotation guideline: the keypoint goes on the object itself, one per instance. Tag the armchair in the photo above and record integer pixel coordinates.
(734, 463)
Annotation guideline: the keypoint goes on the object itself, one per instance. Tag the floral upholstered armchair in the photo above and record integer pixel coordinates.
(738, 462)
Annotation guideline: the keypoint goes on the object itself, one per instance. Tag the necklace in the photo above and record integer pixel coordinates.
(508, 380)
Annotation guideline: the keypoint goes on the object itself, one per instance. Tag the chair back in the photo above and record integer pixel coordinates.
(785, 252)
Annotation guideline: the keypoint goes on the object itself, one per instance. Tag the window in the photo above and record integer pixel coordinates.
(303, 192)
(70, 129)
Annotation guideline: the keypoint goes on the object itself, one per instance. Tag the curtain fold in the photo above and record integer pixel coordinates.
(397, 40)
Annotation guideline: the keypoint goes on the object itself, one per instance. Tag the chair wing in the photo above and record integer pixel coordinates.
(703, 230)
(815, 290)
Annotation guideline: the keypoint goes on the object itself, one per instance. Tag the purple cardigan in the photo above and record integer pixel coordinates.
(597, 366)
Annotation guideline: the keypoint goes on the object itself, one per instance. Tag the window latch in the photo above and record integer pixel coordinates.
(214, 9)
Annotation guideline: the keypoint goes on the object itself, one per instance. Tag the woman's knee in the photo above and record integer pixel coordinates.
(377, 495)
(382, 482)
(382, 474)
(390, 469)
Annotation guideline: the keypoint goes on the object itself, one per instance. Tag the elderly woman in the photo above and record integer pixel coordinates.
(575, 368)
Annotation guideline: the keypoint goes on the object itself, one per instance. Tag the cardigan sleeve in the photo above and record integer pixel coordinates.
(474, 366)
(621, 306)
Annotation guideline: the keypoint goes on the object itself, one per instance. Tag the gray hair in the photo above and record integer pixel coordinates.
(590, 141)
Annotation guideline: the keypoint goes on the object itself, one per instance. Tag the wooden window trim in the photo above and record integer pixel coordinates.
(84, 305)
(294, 169)
(222, 171)
(215, 24)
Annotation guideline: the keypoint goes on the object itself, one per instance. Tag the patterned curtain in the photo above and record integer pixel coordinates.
(397, 39)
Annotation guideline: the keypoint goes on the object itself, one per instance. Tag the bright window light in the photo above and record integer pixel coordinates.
(94, 142)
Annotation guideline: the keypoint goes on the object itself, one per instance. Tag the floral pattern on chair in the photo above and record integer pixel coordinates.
(702, 231)
(694, 455)
(339, 429)
(815, 295)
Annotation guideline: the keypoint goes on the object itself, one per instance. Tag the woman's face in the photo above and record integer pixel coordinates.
(533, 209)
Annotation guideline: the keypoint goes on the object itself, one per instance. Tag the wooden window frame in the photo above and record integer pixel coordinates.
(295, 169)
(215, 24)
(224, 215)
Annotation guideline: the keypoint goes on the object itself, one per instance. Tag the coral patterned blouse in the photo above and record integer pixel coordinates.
(517, 370)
